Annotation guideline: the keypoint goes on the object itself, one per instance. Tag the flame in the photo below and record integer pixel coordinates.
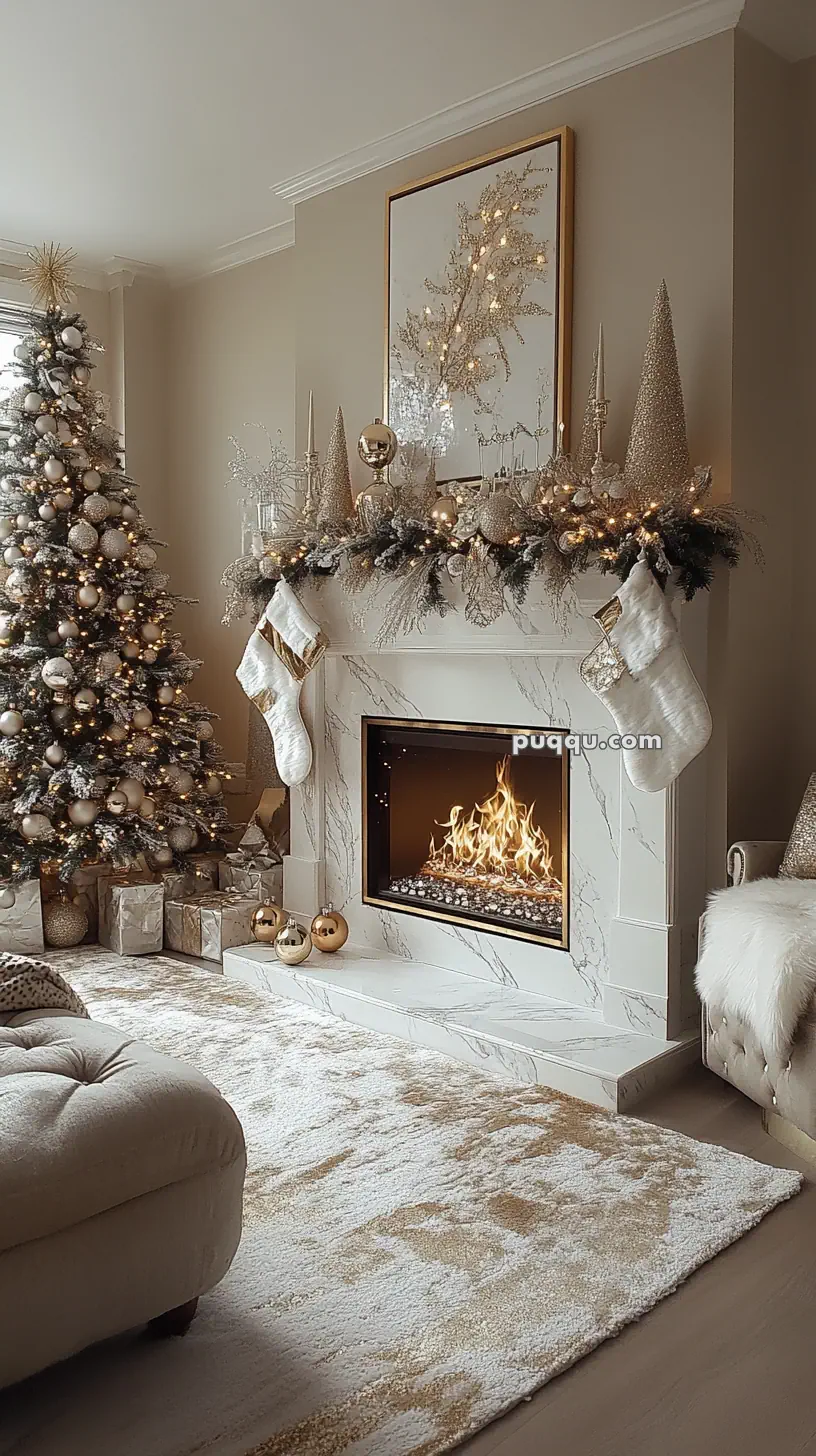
(497, 846)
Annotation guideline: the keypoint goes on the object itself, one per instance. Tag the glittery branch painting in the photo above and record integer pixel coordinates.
(478, 323)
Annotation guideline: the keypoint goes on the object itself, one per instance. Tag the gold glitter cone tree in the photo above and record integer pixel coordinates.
(336, 504)
(102, 755)
(658, 466)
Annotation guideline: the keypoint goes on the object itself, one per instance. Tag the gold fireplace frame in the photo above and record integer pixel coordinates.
(549, 941)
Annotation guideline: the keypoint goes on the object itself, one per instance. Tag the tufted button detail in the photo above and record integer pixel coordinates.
(725, 1069)
(773, 1099)
(788, 1067)
(725, 1021)
(765, 1069)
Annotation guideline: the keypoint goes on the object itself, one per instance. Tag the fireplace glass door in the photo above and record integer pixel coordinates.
(459, 827)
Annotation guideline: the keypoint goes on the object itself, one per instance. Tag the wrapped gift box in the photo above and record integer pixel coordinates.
(265, 883)
(207, 925)
(131, 914)
(204, 871)
(21, 928)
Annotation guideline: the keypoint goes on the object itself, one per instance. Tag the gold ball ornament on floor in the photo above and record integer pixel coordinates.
(292, 944)
(267, 922)
(329, 929)
(64, 924)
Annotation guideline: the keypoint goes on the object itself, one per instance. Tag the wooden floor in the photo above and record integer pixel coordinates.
(724, 1367)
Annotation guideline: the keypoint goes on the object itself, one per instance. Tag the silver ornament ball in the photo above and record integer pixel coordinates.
(113, 545)
(57, 672)
(83, 812)
(53, 469)
(11, 723)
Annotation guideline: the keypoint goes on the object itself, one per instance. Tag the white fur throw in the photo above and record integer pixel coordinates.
(758, 957)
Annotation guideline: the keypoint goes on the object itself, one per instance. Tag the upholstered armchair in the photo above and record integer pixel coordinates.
(785, 1090)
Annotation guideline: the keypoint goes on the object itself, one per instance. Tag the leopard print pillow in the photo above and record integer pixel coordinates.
(31, 985)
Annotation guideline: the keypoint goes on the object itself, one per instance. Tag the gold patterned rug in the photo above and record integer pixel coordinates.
(424, 1246)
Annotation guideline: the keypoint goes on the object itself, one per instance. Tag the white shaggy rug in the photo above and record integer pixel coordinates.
(423, 1247)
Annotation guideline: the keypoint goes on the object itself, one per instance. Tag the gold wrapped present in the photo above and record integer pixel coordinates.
(207, 925)
(131, 915)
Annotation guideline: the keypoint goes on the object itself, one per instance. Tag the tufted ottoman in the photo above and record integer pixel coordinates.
(121, 1179)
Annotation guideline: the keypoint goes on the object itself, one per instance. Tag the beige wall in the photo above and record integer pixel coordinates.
(230, 358)
(763, 774)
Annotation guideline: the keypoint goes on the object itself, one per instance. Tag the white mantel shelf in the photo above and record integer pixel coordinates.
(520, 1036)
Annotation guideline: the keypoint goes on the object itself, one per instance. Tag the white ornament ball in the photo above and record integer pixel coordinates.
(57, 672)
(114, 545)
(23, 521)
(151, 632)
(149, 655)
(21, 353)
(60, 714)
(12, 554)
(83, 812)
(213, 786)
(117, 802)
(91, 480)
(166, 695)
(147, 808)
(46, 425)
(36, 826)
(204, 729)
(11, 723)
(83, 538)
(6, 628)
(162, 857)
(87, 595)
(7, 896)
(63, 500)
(46, 512)
(85, 700)
(183, 784)
(71, 337)
(133, 790)
(142, 718)
(116, 733)
(67, 628)
(182, 837)
(144, 556)
(33, 402)
(129, 513)
(108, 663)
(95, 507)
(82, 374)
(7, 525)
(54, 754)
(131, 648)
(53, 469)
(125, 603)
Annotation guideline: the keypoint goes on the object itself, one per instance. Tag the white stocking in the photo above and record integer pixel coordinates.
(641, 673)
(283, 649)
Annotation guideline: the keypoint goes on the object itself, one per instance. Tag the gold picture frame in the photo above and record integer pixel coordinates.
(560, 144)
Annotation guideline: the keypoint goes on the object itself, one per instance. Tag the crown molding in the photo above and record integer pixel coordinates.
(243, 250)
(115, 272)
(646, 42)
(785, 26)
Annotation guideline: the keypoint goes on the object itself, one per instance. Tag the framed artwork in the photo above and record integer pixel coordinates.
(478, 309)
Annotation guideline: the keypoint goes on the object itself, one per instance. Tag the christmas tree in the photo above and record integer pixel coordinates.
(102, 755)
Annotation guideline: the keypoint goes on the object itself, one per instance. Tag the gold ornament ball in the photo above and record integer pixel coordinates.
(162, 856)
(116, 733)
(499, 519)
(87, 595)
(117, 802)
(329, 929)
(82, 813)
(267, 921)
(445, 511)
(64, 924)
(292, 944)
(142, 718)
(166, 695)
(377, 445)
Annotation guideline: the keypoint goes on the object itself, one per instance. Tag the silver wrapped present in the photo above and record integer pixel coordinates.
(131, 914)
(265, 882)
(207, 925)
(21, 928)
(204, 872)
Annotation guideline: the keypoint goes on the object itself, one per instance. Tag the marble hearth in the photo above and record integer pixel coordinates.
(608, 1017)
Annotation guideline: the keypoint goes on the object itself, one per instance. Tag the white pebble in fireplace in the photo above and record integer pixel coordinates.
(595, 998)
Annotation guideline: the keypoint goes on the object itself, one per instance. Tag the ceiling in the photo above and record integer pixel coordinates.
(164, 127)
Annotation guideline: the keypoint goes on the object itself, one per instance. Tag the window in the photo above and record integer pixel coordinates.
(14, 323)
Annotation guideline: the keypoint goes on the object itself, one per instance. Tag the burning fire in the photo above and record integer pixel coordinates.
(496, 847)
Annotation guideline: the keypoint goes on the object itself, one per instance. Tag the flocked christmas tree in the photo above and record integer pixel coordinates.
(102, 755)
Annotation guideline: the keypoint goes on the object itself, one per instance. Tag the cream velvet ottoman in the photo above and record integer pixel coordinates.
(121, 1179)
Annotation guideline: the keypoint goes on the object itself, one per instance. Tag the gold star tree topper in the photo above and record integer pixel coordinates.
(50, 275)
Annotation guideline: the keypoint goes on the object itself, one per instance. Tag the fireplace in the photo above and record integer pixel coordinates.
(458, 826)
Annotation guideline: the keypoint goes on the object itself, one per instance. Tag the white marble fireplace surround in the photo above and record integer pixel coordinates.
(622, 993)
